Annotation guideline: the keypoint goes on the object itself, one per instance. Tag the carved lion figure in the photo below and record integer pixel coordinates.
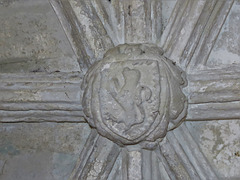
(134, 95)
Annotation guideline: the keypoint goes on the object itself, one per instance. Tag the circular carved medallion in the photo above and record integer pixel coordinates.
(134, 95)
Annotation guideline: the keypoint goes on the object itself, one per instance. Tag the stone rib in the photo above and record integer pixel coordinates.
(213, 94)
(84, 30)
(116, 174)
(194, 153)
(142, 21)
(118, 6)
(214, 86)
(84, 155)
(124, 166)
(132, 164)
(147, 166)
(158, 170)
(152, 167)
(97, 164)
(210, 34)
(55, 77)
(40, 97)
(182, 156)
(107, 15)
(197, 32)
(180, 27)
(165, 164)
(173, 160)
(42, 116)
(177, 12)
(40, 106)
(214, 111)
(69, 24)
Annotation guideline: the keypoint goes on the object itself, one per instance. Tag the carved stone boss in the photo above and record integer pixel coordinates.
(133, 96)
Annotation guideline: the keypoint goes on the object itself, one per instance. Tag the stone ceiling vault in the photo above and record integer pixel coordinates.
(42, 69)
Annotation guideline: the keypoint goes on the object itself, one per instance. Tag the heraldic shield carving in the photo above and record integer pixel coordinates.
(134, 95)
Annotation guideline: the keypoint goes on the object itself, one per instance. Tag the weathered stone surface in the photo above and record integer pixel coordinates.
(35, 97)
(32, 40)
(84, 29)
(167, 8)
(200, 36)
(213, 94)
(227, 48)
(134, 95)
(40, 151)
(220, 142)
